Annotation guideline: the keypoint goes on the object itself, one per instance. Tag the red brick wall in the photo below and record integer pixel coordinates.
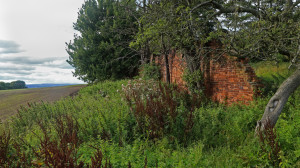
(227, 80)
(176, 68)
(231, 81)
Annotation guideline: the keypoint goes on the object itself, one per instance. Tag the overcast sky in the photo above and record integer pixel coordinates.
(32, 40)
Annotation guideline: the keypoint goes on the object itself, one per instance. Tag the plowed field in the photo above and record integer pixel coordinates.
(11, 100)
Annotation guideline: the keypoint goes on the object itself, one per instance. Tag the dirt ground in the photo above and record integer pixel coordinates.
(11, 100)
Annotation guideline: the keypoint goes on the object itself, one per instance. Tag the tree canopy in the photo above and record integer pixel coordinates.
(12, 85)
(100, 50)
(114, 35)
(259, 30)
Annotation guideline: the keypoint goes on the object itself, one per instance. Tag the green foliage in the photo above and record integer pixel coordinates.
(272, 75)
(169, 24)
(107, 128)
(100, 51)
(13, 85)
(150, 71)
(271, 34)
(269, 144)
(160, 110)
(273, 83)
(194, 81)
(150, 124)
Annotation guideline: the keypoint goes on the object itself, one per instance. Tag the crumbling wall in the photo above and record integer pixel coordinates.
(231, 81)
(227, 79)
(176, 67)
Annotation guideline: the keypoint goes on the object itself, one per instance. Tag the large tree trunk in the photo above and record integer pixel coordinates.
(277, 102)
(166, 58)
(167, 66)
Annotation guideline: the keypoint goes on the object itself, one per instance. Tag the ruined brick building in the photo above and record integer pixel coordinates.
(226, 79)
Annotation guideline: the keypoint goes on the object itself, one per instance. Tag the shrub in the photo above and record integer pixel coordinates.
(60, 152)
(5, 139)
(12, 153)
(194, 81)
(160, 109)
(150, 71)
(109, 129)
(269, 144)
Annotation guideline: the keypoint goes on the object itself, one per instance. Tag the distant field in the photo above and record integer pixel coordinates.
(11, 100)
(46, 85)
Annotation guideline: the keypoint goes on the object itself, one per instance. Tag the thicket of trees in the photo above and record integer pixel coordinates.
(13, 85)
(101, 50)
(115, 36)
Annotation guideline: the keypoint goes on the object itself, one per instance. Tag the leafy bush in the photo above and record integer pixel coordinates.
(150, 71)
(160, 109)
(269, 144)
(108, 131)
(60, 151)
(5, 139)
(194, 81)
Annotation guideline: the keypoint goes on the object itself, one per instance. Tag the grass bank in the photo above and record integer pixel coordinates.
(143, 123)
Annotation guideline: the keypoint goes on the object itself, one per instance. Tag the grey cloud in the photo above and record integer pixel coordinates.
(65, 66)
(6, 78)
(22, 72)
(9, 47)
(14, 68)
(16, 72)
(26, 60)
(14, 78)
(25, 68)
(62, 64)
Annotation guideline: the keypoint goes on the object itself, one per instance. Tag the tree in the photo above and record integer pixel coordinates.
(101, 49)
(168, 25)
(2, 86)
(13, 85)
(18, 84)
(259, 30)
(265, 30)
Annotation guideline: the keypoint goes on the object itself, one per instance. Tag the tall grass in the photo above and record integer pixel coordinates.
(272, 74)
(99, 126)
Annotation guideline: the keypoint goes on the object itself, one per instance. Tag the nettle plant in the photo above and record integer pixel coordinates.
(160, 109)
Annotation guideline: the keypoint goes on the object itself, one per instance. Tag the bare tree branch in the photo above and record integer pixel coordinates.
(200, 5)
(224, 10)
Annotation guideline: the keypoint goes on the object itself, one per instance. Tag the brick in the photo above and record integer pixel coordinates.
(228, 79)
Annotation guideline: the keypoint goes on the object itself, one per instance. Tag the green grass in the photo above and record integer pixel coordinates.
(221, 136)
(268, 69)
(272, 74)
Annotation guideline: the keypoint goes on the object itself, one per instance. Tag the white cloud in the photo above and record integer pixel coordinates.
(32, 40)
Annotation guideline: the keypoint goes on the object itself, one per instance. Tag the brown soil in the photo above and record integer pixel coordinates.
(11, 100)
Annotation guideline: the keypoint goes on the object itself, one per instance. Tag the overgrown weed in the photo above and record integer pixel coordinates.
(160, 109)
(218, 136)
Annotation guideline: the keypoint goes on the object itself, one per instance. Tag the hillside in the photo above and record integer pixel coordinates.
(104, 125)
(11, 100)
(141, 123)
